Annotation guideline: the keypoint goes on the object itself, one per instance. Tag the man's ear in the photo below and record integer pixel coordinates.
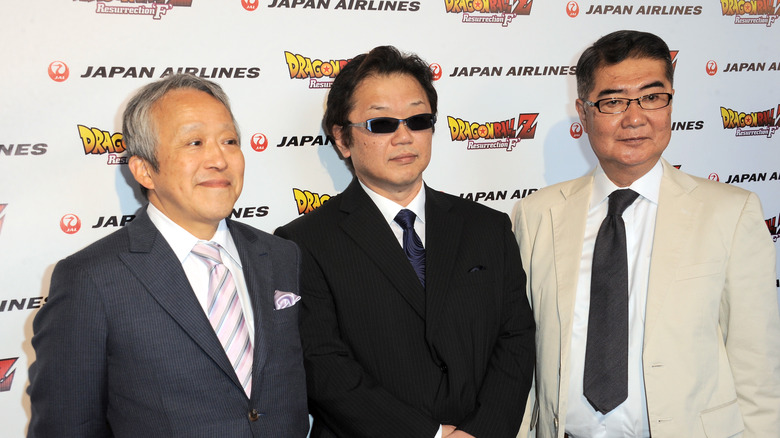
(141, 171)
(338, 137)
(579, 105)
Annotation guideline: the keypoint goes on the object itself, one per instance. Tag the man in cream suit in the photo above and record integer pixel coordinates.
(702, 331)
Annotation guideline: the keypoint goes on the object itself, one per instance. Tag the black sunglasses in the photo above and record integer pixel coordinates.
(386, 125)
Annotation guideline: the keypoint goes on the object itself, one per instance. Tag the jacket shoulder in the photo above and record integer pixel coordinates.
(468, 208)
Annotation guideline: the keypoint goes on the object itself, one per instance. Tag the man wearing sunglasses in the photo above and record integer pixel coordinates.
(661, 320)
(414, 320)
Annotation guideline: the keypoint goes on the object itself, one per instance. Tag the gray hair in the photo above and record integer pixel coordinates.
(138, 128)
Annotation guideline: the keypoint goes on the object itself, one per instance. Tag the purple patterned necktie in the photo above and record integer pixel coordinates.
(413, 246)
(225, 314)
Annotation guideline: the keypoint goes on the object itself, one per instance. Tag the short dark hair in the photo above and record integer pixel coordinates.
(615, 48)
(380, 61)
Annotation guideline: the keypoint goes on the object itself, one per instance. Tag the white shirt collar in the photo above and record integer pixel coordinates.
(182, 241)
(390, 208)
(648, 185)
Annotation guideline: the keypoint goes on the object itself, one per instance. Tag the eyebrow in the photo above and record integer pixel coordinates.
(618, 91)
(380, 107)
(184, 129)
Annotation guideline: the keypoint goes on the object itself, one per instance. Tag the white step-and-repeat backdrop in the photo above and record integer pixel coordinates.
(507, 124)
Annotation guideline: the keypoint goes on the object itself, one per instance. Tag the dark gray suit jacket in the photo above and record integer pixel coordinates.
(385, 357)
(124, 348)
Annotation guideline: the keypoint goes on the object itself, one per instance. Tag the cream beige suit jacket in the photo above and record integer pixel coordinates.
(712, 337)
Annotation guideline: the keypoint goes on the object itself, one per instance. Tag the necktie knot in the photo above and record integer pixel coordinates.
(413, 247)
(405, 219)
(209, 252)
(619, 200)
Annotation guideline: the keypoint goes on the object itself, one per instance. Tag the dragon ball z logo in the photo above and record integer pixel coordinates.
(308, 200)
(763, 12)
(319, 73)
(489, 11)
(493, 135)
(748, 124)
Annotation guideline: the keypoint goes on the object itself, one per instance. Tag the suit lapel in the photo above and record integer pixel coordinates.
(368, 229)
(258, 274)
(442, 239)
(154, 264)
(568, 219)
(676, 217)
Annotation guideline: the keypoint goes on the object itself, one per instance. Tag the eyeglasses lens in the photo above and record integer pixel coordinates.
(386, 125)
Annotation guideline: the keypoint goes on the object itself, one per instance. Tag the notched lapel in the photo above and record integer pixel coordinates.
(258, 273)
(675, 220)
(568, 218)
(154, 264)
(443, 236)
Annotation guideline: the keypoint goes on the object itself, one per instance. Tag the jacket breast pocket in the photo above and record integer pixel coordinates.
(698, 270)
(285, 317)
(723, 421)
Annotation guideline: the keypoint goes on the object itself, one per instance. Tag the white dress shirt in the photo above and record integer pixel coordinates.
(182, 242)
(628, 420)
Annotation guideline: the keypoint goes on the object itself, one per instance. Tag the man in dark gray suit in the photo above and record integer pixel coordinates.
(183, 323)
(414, 321)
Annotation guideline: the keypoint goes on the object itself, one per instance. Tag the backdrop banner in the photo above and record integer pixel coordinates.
(507, 124)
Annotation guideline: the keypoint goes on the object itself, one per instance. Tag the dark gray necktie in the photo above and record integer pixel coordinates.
(413, 246)
(605, 382)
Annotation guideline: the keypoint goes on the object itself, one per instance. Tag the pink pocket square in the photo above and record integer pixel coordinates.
(283, 300)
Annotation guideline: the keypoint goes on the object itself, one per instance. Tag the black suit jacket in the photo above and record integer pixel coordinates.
(125, 349)
(385, 357)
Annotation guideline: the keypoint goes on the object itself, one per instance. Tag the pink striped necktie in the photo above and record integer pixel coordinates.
(225, 314)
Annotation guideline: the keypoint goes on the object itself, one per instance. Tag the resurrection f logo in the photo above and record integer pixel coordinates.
(154, 8)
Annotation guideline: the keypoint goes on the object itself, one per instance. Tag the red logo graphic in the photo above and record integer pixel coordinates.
(6, 375)
(58, 71)
(575, 130)
(259, 142)
(573, 9)
(673, 54)
(70, 224)
(712, 67)
(250, 5)
(774, 230)
(2, 216)
(714, 177)
(436, 70)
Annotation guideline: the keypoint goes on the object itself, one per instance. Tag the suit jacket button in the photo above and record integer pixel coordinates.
(443, 368)
(254, 415)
